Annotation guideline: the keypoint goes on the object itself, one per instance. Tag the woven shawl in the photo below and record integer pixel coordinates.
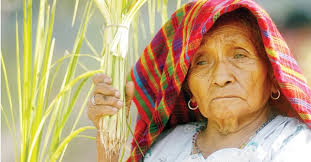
(160, 71)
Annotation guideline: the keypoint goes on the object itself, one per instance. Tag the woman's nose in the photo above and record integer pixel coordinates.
(222, 76)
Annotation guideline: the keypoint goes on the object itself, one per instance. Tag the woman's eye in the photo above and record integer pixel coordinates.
(239, 56)
(201, 62)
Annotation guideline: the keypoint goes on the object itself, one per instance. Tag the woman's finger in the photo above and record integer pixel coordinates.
(107, 100)
(95, 112)
(101, 78)
(105, 89)
(101, 110)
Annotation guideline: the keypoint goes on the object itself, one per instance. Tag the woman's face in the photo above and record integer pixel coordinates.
(227, 77)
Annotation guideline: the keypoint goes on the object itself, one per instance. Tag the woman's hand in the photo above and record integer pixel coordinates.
(106, 102)
(107, 99)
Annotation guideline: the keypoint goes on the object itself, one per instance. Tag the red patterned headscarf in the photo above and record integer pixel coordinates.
(159, 73)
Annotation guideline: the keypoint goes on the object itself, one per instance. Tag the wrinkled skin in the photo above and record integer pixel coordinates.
(230, 83)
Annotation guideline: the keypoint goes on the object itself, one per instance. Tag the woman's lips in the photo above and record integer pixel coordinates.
(226, 97)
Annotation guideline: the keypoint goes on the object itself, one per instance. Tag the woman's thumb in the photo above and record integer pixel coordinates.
(129, 94)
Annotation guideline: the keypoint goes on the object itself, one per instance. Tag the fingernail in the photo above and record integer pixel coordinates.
(119, 103)
(114, 109)
(107, 80)
(117, 94)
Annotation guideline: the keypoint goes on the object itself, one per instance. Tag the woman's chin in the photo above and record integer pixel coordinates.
(225, 112)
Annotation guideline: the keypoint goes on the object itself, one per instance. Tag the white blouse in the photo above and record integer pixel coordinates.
(284, 139)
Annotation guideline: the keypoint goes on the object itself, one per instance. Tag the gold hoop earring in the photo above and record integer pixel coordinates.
(192, 108)
(277, 97)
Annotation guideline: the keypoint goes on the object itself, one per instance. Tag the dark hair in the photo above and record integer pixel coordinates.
(245, 17)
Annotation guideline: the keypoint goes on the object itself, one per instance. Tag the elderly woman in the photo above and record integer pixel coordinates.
(217, 83)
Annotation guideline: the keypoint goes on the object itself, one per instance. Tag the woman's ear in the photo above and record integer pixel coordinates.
(186, 89)
(274, 83)
(193, 100)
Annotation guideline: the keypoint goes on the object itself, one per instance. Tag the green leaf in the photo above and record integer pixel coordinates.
(75, 13)
(59, 149)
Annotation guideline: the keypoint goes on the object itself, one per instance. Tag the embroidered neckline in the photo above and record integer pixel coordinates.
(196, 150)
